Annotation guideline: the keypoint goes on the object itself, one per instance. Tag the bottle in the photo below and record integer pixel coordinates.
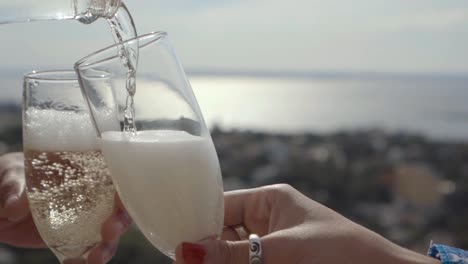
(85, 11)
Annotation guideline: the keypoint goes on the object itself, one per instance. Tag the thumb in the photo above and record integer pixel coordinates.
(13, 201)
(213, 252)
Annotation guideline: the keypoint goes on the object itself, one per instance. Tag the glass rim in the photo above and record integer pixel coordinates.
(83, 61)
(52, 75)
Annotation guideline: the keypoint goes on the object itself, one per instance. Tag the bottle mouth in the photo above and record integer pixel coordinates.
(105, 9)
(113, 7)
(86, 19)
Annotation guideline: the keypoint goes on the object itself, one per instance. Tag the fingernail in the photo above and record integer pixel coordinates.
(8, 192)
(193, 253)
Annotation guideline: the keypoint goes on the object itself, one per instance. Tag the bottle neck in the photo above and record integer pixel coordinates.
(85, 11)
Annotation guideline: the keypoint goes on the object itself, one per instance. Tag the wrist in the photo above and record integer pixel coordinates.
(381, 250)
(406, 256)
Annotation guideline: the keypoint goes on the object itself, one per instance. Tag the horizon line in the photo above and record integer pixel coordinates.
(324, 73)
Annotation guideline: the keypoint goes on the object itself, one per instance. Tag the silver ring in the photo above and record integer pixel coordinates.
(255, 249)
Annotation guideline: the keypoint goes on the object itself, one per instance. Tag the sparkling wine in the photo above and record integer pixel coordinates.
(69, 186)
(170, 183)
(71, 195)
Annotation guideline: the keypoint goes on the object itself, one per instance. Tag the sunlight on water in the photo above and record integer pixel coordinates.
(436, 107)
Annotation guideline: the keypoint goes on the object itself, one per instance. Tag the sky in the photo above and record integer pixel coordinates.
(268, 35)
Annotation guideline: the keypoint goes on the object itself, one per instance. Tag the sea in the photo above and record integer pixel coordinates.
(429, 104)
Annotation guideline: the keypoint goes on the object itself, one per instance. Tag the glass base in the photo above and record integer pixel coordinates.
(72, 252)
(73, 255)
(75, 261)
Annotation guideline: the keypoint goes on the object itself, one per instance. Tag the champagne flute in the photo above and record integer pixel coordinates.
(69, 187)
(167, 171)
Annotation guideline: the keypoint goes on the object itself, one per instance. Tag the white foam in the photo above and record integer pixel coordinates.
(54, 130)
(177, 177)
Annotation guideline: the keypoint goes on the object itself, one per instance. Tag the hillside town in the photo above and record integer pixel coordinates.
(403, 186)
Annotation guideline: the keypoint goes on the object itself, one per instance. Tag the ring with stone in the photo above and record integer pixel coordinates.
(255, 249)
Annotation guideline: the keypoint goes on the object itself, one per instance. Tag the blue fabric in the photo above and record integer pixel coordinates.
(448, 255)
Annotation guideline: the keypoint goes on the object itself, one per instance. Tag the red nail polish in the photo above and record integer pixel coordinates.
(193, 253)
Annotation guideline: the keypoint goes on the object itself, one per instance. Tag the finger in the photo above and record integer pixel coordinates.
(5, 224)
(230, 234)
(213, 252)
(188, 253)
(243, 234)
(118, 205)
(116, 225)
(249, 208)
(103, 253)
(95, 256)
(13, 201)
(276, 249)
(22, 234)
(11, 160)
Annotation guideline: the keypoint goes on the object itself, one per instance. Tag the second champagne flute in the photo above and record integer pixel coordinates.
(167, 173)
